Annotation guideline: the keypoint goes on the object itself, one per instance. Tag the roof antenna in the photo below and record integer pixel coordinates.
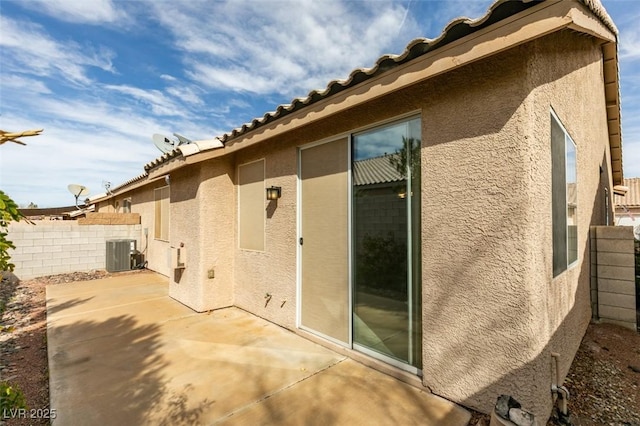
(107, 187)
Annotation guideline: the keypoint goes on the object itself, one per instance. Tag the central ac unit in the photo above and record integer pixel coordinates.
(119, 255)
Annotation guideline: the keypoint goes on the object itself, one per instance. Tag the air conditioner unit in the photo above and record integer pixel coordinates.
(119, 255)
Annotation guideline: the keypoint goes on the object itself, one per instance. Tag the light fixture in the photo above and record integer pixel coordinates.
(274, 193)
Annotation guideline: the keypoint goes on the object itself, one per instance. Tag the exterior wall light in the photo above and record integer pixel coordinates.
(274, 193)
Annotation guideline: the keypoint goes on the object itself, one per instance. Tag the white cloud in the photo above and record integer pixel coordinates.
(23, 84)
(186, 94)
(159, 103)
(28, 49)
(78, 11)
(630, 44)
(280, 47)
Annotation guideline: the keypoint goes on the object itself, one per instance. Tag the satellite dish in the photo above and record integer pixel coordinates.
(636, 232)
(166, 144)
(163, 143)
(182, 139)
(78, 191)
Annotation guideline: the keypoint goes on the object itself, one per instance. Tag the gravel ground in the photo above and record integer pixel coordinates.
(604, 380)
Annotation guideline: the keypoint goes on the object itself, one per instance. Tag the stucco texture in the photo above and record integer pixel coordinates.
(203, 226)
(492, 312)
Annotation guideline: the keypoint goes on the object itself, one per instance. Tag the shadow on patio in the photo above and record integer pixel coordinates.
(151, 360)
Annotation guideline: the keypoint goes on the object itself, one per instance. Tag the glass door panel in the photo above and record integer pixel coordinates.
(386, 242)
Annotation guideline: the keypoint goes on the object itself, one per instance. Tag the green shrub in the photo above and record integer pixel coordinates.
(8, 213)
(11, 397)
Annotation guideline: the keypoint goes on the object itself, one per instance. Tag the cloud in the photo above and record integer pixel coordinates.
(630, 44)
(28, 49)
(283, 47)
(186, 94)
(159, 103)
(78, 11)
(23, 85)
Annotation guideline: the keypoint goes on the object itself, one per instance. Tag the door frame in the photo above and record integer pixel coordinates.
(350, 344)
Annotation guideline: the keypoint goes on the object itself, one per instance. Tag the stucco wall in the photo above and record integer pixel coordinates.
(477, 307)
(490, 303)
(492, 313)
(203, 221)
(568, 76)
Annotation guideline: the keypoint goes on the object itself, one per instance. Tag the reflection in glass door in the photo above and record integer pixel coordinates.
(386, 243)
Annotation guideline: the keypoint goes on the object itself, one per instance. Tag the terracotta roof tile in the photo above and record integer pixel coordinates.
(632, 197)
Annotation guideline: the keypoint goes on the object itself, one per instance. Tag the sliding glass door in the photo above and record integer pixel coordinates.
(386, 243)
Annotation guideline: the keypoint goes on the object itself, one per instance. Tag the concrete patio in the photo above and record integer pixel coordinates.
(121, 351)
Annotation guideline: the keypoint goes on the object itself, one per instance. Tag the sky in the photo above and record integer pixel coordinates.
(102, 76)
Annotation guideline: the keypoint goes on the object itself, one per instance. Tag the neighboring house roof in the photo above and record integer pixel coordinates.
(632, 197)
(375, 170)
(455, 30)
(47, 211)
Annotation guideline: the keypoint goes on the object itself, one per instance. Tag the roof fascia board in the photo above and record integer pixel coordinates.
(585, 22)
(134, 185)
(612, 98)
(164, 169)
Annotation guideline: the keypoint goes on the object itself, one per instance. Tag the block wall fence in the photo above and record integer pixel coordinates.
(613, 288)
(57, 247)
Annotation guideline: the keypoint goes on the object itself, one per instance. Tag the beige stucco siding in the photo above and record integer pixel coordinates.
(273, 270)
(478, 314)
(568, 77)
(203, 226)
(492, 312)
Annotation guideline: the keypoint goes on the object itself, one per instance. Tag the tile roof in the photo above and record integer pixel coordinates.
(375, 170)
(632, 197)
(455, 30)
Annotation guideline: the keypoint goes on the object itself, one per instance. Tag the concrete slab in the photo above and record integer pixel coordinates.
(147, 359)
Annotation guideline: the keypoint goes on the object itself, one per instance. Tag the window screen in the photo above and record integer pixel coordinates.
(251, 205)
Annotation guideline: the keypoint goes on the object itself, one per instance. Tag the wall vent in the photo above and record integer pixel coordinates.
(119, 255)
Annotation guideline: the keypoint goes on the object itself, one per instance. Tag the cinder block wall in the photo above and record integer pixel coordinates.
(613, 275)
(57, 247)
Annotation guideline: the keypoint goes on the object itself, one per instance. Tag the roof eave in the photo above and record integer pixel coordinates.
(537, 21)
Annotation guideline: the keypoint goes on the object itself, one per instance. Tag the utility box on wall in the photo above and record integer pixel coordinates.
(119, 255)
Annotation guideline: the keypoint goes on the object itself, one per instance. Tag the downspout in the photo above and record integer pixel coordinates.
(606, 203)
(561, 392)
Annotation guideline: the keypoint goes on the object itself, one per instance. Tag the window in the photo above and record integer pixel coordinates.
(251, 208)
(564, 197)
(126, 205)
(161, 197)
